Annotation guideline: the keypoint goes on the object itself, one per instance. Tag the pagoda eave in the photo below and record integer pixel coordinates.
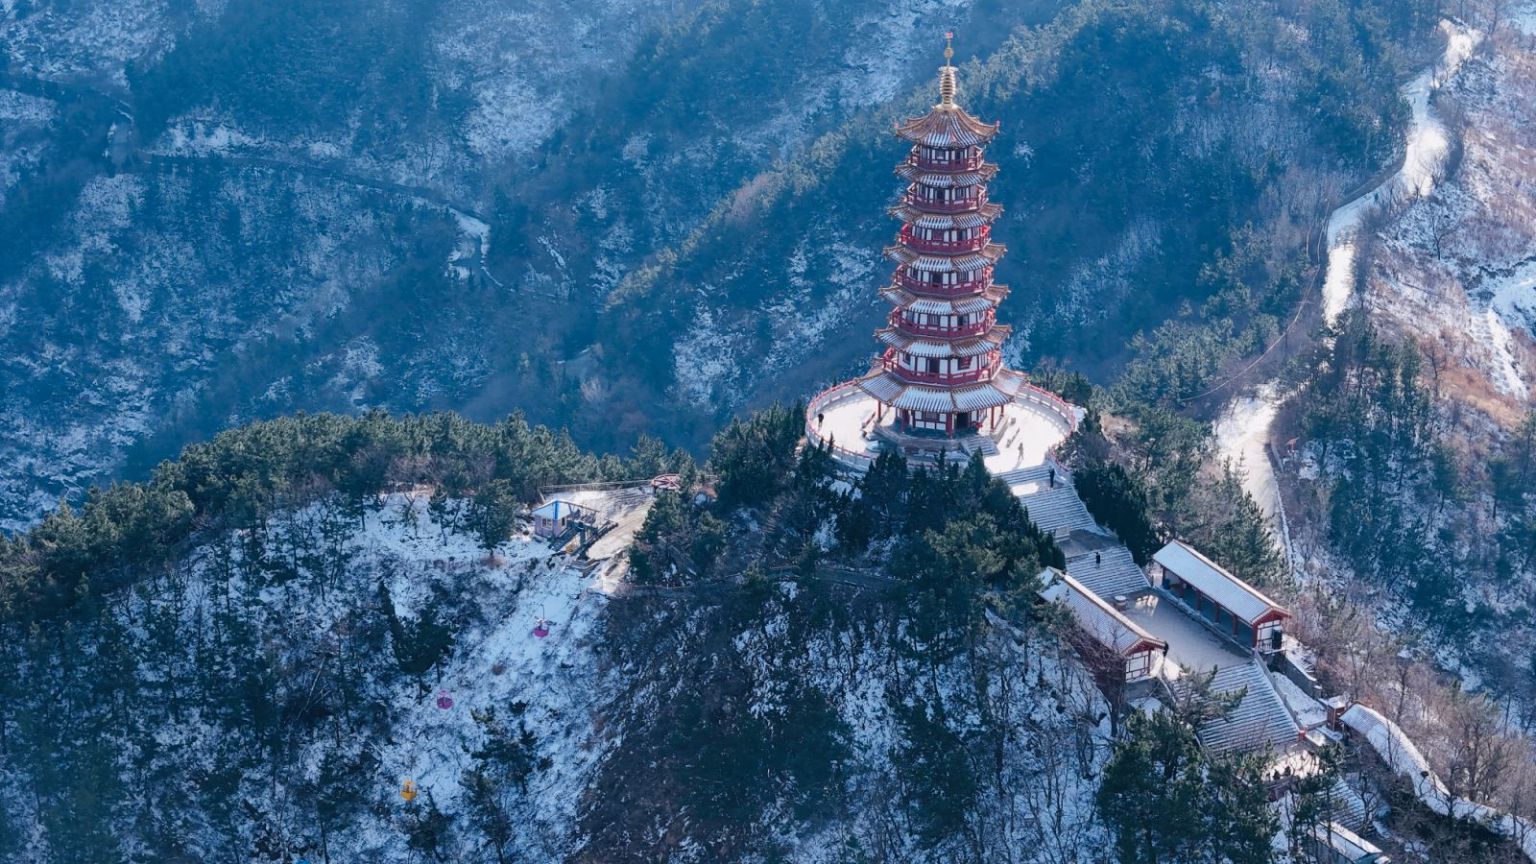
(983, 215)
(945, 179)
(935, 263)
(888, 387)
(947, 127)
(901, 298)
(935, 346)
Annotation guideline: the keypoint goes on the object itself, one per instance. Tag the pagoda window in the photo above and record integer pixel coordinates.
(928, 420)
(933, 365)
(965, 363)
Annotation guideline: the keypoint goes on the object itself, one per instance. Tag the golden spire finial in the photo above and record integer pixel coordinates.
(947, 73)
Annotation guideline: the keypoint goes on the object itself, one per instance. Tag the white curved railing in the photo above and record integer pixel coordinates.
(834, 395)
(1404, 758)
(839, 393)
(1050, 401)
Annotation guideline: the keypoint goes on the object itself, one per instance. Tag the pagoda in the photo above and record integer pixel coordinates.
(940, 386)
(942, 370)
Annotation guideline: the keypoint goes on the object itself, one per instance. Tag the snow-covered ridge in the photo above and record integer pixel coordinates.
(1455, 271)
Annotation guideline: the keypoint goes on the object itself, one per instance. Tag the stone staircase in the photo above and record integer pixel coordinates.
(1115, 573)
(1036, 475)
(982, 444)
(1259, 720)
(1059, 511)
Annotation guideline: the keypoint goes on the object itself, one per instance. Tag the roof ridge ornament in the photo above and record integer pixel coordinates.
(947, 73)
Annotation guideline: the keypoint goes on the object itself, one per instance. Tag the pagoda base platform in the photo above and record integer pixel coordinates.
(1031, 428)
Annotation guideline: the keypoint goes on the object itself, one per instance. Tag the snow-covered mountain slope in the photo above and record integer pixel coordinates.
(1456, 270)
(270, 694)
(260, 224)
(629, 217)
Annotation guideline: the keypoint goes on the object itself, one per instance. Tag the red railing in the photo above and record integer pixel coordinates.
(934, 289)
(970, 164)
(963, 205)
(971, 244)
(980, 373)
(975, 328)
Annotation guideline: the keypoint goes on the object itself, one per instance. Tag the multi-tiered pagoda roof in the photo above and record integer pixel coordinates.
(939, 388)
(942, 369)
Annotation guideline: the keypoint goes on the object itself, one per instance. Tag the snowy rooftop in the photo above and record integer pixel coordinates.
(1212, 580)
(1347, 843)
(1099, 619)
(1260, 718)
(1405, 759)
(559, 509)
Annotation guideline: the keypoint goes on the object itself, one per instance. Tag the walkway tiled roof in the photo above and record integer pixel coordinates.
(1096, 617)
(1346, 806)
(1212, 580)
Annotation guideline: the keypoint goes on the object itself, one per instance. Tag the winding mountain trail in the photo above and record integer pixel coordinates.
(474, 230)
(114, 123)
(1243, 429)
(1424, 154)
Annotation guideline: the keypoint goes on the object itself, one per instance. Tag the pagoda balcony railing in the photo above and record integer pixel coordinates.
(934, 289)
(970, 164)
(975, 328)
(961, 205)
(968, 376)
(971, 244)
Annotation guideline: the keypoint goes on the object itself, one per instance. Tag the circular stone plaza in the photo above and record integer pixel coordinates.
(856, 428)
(940, 390)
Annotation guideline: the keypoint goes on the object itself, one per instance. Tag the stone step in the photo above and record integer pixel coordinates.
(1259, 720)
(1040, 474)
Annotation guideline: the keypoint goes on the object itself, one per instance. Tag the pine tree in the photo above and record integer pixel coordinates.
(493, 515)
(1167, 802)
